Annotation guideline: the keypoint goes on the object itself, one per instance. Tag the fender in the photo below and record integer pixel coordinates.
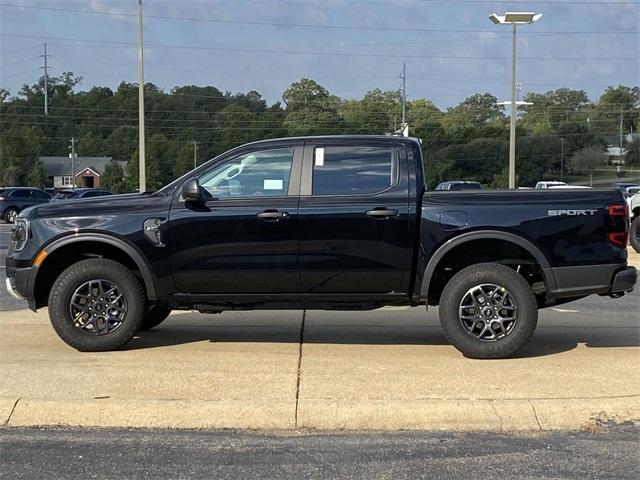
(113, 241)
(479, 235)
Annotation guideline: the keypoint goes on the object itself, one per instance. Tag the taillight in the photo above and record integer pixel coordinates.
(618, 224)
(618, 210)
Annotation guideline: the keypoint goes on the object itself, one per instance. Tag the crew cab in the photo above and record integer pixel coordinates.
(339, 223)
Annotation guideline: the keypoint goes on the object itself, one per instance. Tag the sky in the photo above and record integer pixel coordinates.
(451, 49)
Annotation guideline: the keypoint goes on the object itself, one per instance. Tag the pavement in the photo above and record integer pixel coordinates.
(160, 454)
(388, 369)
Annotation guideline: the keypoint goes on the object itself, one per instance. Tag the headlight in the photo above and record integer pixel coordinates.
(20, 234)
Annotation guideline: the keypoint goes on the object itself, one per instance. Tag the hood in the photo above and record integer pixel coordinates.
(94, 206)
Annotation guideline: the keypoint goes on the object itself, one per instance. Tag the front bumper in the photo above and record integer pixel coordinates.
(19, 282)
(11, 290)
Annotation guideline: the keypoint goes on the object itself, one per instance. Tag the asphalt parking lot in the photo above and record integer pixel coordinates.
(387, 369)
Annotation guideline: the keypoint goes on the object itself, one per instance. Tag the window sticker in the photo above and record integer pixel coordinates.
(319, 157)
(273, 185)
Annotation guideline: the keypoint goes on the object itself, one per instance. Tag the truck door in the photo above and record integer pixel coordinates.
(353, 217)
(244, 237)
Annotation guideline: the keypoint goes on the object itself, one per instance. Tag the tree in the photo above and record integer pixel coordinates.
(474, 111)
(614, 103)
(308, 93)
(311, 110)
(113, 177)
(377, 113)
(587, 160)
(632, 159)
(35, 176)
(549, 112)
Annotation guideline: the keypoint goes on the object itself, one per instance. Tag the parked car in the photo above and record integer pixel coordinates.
(543, 185)
(77, 193)
(15, 199)
(631, 191)
(634, 212)
(622, 186)
(336, 223)
(569, 187)
(458, 185)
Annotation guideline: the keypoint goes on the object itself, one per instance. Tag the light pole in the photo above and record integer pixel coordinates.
(562, 159)
(513, 18)
(142, 177)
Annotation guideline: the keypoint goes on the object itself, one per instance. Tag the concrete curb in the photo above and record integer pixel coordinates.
(113, 412)
(422, 414)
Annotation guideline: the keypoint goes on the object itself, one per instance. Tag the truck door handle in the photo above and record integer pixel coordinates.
(382, 213)
(273, 215)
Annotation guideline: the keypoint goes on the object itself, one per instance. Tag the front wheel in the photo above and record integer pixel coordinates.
(10, 215)
(488, 311)
(96, 305)
(634, 234)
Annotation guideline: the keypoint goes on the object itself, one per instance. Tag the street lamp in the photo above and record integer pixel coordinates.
(514, 18)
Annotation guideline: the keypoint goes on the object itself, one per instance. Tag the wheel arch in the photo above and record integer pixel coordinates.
(497, 235)
(85, 245)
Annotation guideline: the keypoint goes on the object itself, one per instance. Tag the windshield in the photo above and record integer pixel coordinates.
(64, 195)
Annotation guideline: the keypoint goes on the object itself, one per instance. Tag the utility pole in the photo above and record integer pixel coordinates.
(404, 92)
(46, 80)
(142, 178)
(195, 154)
(73, 163)
(621, 120)
(561, 159)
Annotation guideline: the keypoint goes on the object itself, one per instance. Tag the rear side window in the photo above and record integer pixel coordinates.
(353, 170)
(40, 195)
(20, 194)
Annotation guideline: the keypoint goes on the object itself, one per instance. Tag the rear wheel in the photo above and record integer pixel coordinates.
(634, 235)
(488, 311)
(96, 305)
(10, 215)
(155, 315)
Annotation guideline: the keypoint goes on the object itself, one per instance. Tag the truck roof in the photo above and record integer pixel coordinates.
(383, 138)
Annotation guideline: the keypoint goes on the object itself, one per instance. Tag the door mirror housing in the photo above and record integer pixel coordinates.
(191, 191)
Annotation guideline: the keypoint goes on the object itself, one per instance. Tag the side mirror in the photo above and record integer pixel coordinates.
(191, 191)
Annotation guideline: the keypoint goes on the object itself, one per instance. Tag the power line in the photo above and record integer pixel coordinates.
(26, 60)
(310, 25)
(303, 52)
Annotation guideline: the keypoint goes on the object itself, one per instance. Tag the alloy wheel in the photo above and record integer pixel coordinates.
(98, 307)
(488, 312)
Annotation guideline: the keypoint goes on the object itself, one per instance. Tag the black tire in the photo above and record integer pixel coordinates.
(458, 289)
(10, 214)
(634, 234)
(78, 275)
(155, 315)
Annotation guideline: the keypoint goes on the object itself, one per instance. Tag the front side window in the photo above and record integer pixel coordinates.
(264, 173)
(353, 170)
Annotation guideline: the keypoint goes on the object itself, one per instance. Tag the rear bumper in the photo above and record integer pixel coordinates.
(589, 279)
(624, 280)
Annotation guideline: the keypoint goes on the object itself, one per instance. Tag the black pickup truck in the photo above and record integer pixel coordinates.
(342, 223)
